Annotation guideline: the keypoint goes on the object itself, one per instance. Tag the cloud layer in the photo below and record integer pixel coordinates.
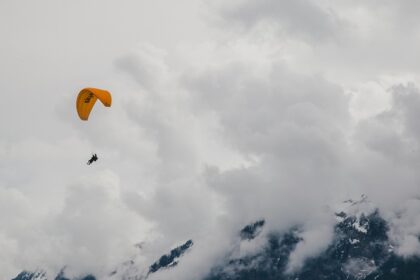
(281, 112)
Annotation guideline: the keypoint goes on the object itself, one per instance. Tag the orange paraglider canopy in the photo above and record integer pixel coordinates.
(87, 98)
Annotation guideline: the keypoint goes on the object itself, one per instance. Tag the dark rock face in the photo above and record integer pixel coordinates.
(251, 231)
(170, 259)
(40, 275)
(398, 268)
(25, 275)
(268, 265)
(360, 250)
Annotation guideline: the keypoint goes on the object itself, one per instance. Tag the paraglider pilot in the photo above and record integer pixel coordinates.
(92, 159)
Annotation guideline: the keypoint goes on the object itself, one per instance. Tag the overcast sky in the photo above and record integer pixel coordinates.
(223, 112)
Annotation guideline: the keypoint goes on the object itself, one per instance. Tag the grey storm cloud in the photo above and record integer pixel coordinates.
(302, 18)
(211, 127)
(299, 146)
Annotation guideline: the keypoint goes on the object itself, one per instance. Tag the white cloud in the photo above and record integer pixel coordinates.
(405, 228)
(314, 241)
(211, 128)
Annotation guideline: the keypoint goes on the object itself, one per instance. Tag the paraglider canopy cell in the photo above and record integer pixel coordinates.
(87, 98)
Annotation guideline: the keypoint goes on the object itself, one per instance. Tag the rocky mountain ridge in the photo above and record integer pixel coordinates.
(360, 250)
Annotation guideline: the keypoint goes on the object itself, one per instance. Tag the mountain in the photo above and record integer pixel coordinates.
(40, 275)
(131, 271)
(25, 275)
(127, 271)
(171, 259)
(360, 250)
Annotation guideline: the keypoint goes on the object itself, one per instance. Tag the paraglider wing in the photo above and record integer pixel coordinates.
(87, 98)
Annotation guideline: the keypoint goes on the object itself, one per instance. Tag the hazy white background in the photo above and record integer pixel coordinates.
(223, 113)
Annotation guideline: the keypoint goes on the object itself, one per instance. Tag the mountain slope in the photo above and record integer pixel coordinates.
(360, 250)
